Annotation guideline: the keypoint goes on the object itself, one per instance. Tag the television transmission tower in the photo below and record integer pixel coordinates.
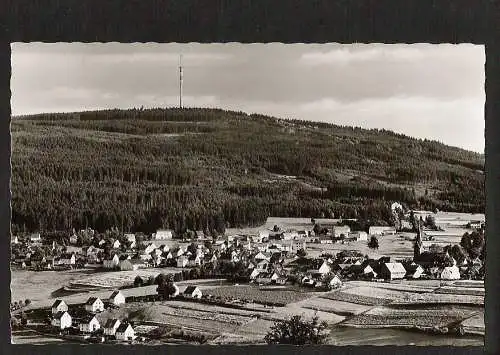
(180, 81)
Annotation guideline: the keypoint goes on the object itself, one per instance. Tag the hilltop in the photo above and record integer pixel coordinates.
(210, 169)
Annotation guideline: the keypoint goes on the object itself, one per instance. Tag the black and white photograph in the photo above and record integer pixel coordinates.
(247, 194)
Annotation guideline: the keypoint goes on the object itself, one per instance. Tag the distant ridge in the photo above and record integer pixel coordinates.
(198, 168)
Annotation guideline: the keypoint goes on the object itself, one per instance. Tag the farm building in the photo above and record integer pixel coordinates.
(125, 332)
(450, 273)
(359, 236)
(89, 325)
(94, 304)
(62, 320)
(392, 271)
(116, 244)
(261, 256)
(192, 292)
(112, 262)
(381, 230)
(111, 326)
(341, 230)
(364, 270)
(117, 298)
(66, 259)
(414, 271)
(281, 280)
(163, 234)
(59, 306)
(320, 267)
(132, 264)
(265, 278)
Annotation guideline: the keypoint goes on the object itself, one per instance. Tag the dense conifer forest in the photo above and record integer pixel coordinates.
(207, 169)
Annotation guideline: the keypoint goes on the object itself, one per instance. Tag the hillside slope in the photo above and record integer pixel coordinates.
(201, 168)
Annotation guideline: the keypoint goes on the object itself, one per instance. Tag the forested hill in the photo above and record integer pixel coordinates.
(201, 168)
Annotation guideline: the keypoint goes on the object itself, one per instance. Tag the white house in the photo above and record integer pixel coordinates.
(111, 263)
(116, 244)
(414, 271)
(392, 271)
(290, 235)
(450, 273)
(322, 269)
(381, 230)
(62, 320)
(35, 238)
(111, 326)
(150, 248)
(117, 298)
(164, 248)
(73, 239)
(262, 265)
(125, 332)
(194, 260)
(255, 272)
(341, 230)
(66, 259)
(130, 237)
(335, 282)
(59, 306)
(359, 236)
(89, 325)
(261, 256)
(192, 292)
(263, 235)
(163, 234)
(94, 304)
(182, 261)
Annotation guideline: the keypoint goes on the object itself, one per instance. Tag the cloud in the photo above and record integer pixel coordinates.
(188, 59)
(359, 53)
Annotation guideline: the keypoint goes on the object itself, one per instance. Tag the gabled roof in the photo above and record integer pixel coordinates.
(57, 303)
(395, 267)
(115, 293)
(110, 323)
(91, 300)
(58, 315)
(190, 289)
(88, 318)
(123, 327)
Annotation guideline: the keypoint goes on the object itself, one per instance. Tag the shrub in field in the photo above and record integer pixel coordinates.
(297, 331)
(138, 281)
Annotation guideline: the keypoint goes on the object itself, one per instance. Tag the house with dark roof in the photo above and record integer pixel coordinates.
(125, 332)
(94, 305)
(192, 292)
(62, 320)
(89, 324)
(117, 298)
(111, 326)
(59, 306)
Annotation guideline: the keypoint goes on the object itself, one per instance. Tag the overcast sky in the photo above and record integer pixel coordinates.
(426, 91)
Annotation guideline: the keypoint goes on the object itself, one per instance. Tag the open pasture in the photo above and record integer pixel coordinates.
(255, 294)
(404, 286)
(116, 279)
(435, 298)
(334, 306)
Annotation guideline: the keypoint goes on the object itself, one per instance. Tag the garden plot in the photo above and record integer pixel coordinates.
(334, 306)
(251, 293)
(378, 295)
(435, 298)
(390, 317)
(404, 287)
(461, 290)
(475, 324)
(115, 279)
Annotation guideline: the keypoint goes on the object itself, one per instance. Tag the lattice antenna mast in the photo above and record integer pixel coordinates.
(180, 81)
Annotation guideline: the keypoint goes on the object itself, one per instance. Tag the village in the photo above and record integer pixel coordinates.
(316, 255)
